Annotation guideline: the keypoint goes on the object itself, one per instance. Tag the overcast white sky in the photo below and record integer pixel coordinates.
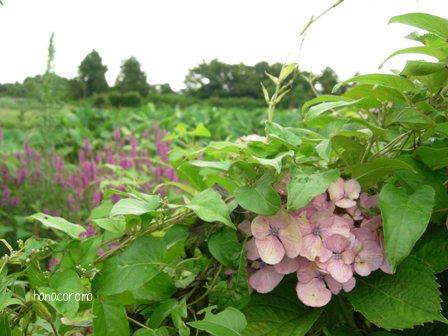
(170, 36)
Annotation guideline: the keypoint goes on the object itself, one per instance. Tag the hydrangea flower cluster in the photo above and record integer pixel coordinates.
(326, 243)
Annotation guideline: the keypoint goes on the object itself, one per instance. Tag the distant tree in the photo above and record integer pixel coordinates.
(131, 78)
(75, 89)
(219, 79)
(162, 88)
(13, 90)
(59, 88)
(327, 80)
(92, 74)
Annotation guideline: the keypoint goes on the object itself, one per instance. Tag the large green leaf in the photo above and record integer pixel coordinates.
(432, 249)
(303, 187)
(66, 282)
(408, 298)
(348, 149)
(115, 225)
(279, 313)
(428, 22)
(409, 117)
(405, 218)
(233, 291)
(260, 198)
(421, 68)
(283, 134)
(323, 99)
(4, 324)
(224, 247)
(152, 332)
(80, 252)
(422, 175)
(209, 207)
(391, 81)
(275, 162)
(158, 288)
(439, 53)
(434, 158)
(230, 322)
(58, 223)
(132, 268)
(317, 110)
(109, 318)
(219, 165)
(372, 172)
(133, 206)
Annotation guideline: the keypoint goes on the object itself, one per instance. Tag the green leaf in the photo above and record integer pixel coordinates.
(348, 149)
(422, 175)
(408, 298)
(64, 282)
(261, 198)
(409, 117)
(152, 332)
(283, 134)
(322, 99)
(432, 249)
(224, 247)
(303, 187)
(200, 131)
(159, 288)
(287, 70)
(220, 165)
(132, 206)
(224, 146)
(439, 53)
(276, 162)
(110, 318)
(115, 225)
(391, 81)
(178, 313)
(209, 207)
(177, 310)
(58, 223)
(4, 324)
(428, 22)
(442, 128)
(234, 291)
(101, 211)
(405, 218)
(421, 68)
(80, 252)
(317, 110)
(132, 268)
(372, 172)
(434, 158)
(279, 313)
(229, 322)
(161, 312)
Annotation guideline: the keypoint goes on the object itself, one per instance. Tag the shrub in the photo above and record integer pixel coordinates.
(127, 99)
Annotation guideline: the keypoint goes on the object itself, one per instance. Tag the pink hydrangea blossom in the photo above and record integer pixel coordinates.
(321, 226)
(336, 235)
(265, 278)
(339, 265)
(344, 193)
(276, 236)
